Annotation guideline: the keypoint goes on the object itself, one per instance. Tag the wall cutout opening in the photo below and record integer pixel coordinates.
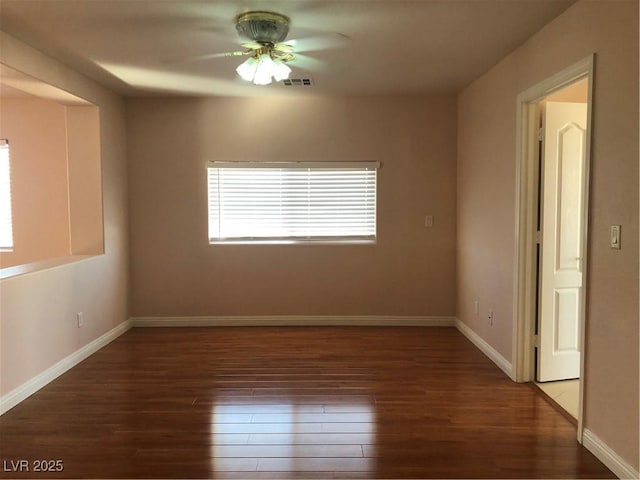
(54, 183)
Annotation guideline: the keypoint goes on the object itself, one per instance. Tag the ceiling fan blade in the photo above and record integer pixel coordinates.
(251, 45)
(239, 53)
(323, 42)
(308, 63)
(209, 56)
(283, 47)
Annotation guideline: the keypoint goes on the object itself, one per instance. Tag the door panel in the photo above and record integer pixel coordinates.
(561, 263)
(567, 302)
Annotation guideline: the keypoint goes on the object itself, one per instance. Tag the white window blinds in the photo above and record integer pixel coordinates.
(6, 224)
(292, 201)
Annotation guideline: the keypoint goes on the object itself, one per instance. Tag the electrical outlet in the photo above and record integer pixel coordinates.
(491, 317)
(80, 318)
(476, 307)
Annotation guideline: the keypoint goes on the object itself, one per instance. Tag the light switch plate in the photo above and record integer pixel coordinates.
(615, 237)
(428, 221)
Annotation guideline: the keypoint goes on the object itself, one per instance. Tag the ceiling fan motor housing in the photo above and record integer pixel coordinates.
(263, 27)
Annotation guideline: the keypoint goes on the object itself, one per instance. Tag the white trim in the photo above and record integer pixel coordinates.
(525, 243)
(485, 348)
(560, 80)
(275, 241)
(35, 267)
(608, 456)
(20, 393)
(294, 320)
(332, 165)
(526, 202)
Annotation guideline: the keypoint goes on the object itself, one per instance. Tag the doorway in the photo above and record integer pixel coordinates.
(560, 249)
(551, 254)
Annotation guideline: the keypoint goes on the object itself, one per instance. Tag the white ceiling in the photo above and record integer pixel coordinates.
(142, 47)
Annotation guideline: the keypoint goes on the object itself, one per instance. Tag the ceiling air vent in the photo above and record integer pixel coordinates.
(298, 82)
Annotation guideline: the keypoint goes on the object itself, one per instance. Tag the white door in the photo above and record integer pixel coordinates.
(562, 249)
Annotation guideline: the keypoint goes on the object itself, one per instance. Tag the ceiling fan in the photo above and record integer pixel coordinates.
(268, 56)
(267, 51)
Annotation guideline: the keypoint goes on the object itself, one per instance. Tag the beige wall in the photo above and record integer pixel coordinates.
(37, 310)
(486, 203)
(37, 134)
(409, 272)
(85, 182)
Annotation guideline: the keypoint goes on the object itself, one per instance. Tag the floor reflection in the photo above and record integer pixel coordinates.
(292, 437)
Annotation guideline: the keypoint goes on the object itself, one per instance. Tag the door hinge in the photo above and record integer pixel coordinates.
(540, 134)
(536, 341)
(538, 236)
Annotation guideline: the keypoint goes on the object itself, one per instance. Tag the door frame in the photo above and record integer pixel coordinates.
(527, 125)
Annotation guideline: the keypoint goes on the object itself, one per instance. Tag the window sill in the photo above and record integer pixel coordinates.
(292, 242)
(17, 270)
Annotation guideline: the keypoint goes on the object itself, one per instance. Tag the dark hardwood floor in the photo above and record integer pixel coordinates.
(310, 402)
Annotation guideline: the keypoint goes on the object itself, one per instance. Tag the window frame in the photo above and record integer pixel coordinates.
(296, 240)
(7, 217)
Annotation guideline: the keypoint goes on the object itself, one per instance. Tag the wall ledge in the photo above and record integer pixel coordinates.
(485, 348)
(20, 393)
(17, 270)
(294, 321)
(608, 456)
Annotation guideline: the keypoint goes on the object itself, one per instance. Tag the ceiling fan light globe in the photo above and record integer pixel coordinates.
(266, 62)
(281, 71)
(247, 69)
(264, 71)
(262, 78)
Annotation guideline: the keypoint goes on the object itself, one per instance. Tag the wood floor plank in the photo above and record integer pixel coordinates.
(309, 438)
(286, 402)
(269, 408)
(315, 464)
(295, 417)
(259, 451)
(267, 428)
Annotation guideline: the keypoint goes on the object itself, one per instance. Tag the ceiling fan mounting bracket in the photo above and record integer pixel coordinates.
(266, 28)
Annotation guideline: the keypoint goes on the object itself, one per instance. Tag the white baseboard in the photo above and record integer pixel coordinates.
(485, 348)
(607, 456)
(294, 321)
(18, 394)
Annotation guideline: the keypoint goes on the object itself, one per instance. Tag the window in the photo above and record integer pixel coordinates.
(6, 224)
(292, 202)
